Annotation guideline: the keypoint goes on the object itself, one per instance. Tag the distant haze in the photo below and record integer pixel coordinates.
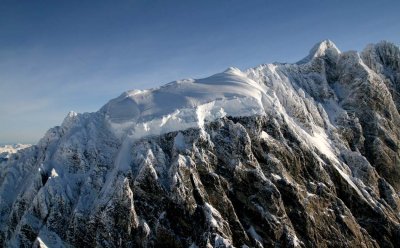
(76, 55)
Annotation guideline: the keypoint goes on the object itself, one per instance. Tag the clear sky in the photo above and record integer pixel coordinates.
(57, 56)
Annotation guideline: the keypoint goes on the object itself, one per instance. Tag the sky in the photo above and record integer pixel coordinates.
(58, 56)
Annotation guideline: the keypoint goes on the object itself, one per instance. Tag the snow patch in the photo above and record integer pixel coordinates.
(47, 238)
(321, 141)
(265, 136)
(211, 213)
(179, 142)
(39, 243)
(276, 177)
(53, 173)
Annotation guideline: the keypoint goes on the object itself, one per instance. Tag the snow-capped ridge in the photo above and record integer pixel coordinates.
(184, 104)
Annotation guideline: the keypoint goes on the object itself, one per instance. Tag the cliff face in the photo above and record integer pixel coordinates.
(317, 167)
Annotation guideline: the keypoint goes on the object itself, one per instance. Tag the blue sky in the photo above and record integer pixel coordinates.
(57, 56)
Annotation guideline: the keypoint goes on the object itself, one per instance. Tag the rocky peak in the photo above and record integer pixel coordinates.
(382, 56)
(321, 49)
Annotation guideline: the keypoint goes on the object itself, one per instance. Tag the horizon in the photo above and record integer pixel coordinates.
(58, 57)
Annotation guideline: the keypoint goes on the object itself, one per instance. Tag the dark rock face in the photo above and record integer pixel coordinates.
(319, 170)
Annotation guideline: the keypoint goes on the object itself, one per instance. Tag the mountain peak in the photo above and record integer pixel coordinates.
(320, 49)
(236, 157)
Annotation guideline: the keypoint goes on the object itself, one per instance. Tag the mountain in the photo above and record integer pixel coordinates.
(283, 155)
(7, 150)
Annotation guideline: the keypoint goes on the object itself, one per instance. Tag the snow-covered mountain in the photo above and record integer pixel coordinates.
(7, 150)
(286, 155)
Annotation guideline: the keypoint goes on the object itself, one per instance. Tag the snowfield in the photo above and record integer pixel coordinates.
(185, 104)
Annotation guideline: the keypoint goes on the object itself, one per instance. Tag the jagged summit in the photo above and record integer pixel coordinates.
(188, 103)
(320, 48)
(280, 155)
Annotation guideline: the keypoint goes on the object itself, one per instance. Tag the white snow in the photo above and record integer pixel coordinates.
(47, 238)
(39, 243)
(53, 173)
(296, 241)
(320, 140)
(265, 136)
(276, 177)
(211, 215)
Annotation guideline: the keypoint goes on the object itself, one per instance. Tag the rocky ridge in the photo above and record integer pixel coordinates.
(6, 151)
(317, 167)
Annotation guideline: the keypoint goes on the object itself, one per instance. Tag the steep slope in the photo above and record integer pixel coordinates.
(286, 155)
